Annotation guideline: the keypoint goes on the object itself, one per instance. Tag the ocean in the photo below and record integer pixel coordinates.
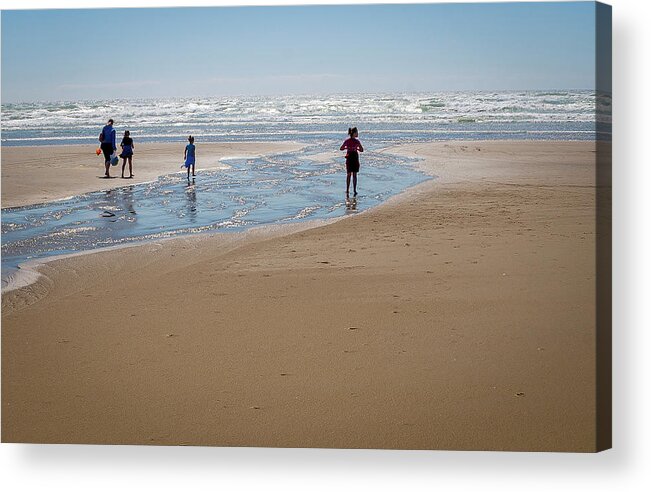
(565, 115)
(275, 189)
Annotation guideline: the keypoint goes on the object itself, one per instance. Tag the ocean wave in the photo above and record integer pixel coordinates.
(298, 116)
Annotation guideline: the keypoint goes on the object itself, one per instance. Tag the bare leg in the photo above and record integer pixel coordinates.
(193, 170)
(107, 165)
(347, 182)
(355, 183)
(124, 163)
(130, 167)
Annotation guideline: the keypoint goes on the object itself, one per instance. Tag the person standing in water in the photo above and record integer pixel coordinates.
(352, 146)
(127, 152)
(189, 156)
(107, 144)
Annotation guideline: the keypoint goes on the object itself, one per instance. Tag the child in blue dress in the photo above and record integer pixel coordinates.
(189, 156)
(127, 152)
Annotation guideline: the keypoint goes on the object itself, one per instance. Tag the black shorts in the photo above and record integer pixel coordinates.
(352, 162)
(107, 148)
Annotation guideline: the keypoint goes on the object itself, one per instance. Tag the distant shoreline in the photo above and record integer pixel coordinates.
(553, 90)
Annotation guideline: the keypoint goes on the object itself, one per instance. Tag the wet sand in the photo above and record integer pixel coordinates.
(41, 174)
(458, 315)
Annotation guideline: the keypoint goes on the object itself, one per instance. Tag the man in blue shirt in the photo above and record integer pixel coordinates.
(108, 146)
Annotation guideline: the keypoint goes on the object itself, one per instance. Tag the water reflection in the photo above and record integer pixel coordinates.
(128, 203)
(191, 195)
(351, 204)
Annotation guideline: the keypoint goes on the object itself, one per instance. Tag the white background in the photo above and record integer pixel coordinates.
(625, 467)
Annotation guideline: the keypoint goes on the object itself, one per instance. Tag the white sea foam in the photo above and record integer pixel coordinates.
(242, 117)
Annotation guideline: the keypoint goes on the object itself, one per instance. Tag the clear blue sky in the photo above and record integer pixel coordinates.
(93, 54)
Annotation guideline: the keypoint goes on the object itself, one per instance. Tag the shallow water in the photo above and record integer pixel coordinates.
(275, 189)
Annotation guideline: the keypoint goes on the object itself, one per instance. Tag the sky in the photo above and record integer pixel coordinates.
(54, 55)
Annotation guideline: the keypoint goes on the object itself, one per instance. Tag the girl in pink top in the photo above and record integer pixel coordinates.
(352, 146)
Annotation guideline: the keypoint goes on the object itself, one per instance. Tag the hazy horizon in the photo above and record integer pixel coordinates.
(305, 94)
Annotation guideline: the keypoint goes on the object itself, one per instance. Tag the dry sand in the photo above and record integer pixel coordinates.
(41, 174)
(459, 315)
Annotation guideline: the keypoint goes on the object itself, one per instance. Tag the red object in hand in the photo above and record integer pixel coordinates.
(98, 151)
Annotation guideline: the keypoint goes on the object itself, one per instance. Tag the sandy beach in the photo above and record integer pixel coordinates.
(457, 315)
(44, 173)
